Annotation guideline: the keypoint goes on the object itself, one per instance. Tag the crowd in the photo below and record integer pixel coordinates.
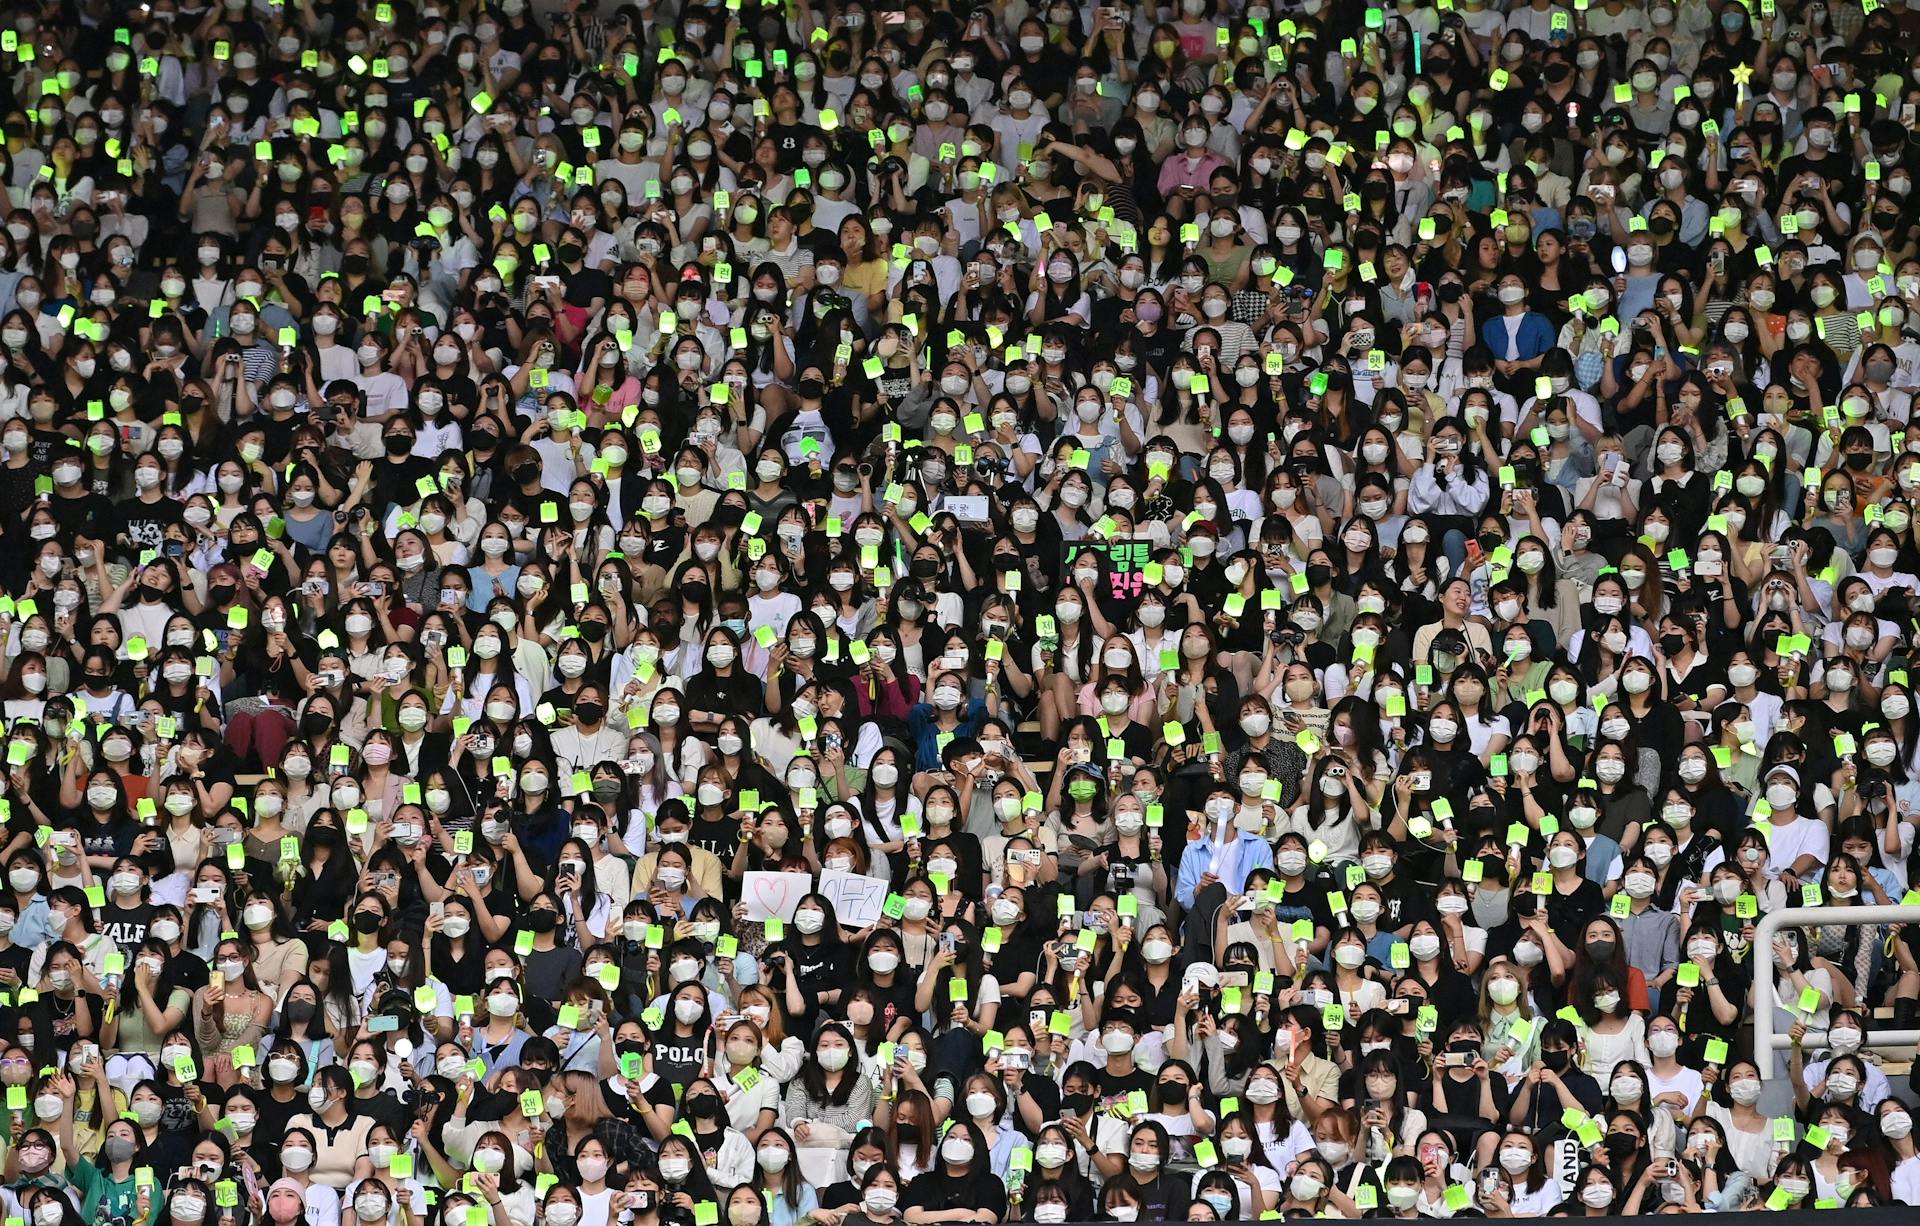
(876, 612)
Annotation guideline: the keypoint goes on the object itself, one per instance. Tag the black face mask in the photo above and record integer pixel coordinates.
(1173, 1093)
(589, 712)
(810, 389)
(221, 593)
(593, 632)
(543, 920)
(482, 440)
(1078, 1104)
(1318, 575)
(313, 723)
(399, 444)
(353, 265)
(523, 473)
(569, 252)
(1673, 644)
(299, 1012)
(1600, 951)
(1556, 1061)
(1620, 1144)
(1490, 541)
(366, 921)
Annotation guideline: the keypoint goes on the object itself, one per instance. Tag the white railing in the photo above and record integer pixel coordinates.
(1764, 1038)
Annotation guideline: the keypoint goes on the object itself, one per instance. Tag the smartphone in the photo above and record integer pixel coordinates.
(376, 589)
(381, 1023)
(216, 981)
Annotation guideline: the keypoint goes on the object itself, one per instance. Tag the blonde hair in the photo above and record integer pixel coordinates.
(775, 1031)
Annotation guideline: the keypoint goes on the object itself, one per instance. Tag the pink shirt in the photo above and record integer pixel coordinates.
(1182, 171)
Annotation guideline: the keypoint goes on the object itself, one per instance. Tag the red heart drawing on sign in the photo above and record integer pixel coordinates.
(771, 893)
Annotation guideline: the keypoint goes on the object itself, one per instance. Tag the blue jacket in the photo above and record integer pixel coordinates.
(1534, 337)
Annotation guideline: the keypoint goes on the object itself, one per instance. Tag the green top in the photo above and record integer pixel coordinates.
(119, 1197)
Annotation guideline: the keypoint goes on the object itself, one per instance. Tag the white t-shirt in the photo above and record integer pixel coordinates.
(386, 393)
(1800, 837)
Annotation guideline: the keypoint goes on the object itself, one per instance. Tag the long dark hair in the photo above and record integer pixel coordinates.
(815, 1077)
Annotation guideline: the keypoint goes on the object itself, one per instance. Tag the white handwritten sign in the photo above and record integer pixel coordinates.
(857, 900)
(773, 895)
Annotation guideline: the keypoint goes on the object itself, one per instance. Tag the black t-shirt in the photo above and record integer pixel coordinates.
(59, 1018)
(894, 1002)
(1114, 1086)
(677, 1058)
(937, 1191)
(1461, 1099)
(817, 968)
(383, 1108)
(1401, 900)
(1308, 902)
(787, 139)
(83, 514)
(144, 524)
(184, 970)
(16, 958)
(127, 926)
(584, 286)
